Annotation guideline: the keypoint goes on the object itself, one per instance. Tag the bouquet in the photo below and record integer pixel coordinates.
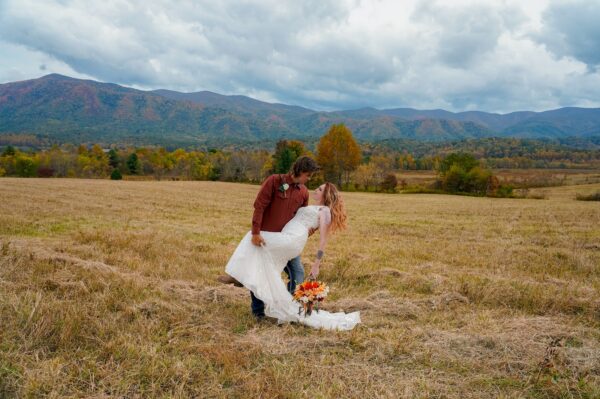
(309, 294)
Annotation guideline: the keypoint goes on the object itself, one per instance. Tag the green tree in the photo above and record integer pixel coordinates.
(25, 166)
(286, 153)
(464, 160)
(9, 151)
(113, 158)
(133, 164)
(461, 172)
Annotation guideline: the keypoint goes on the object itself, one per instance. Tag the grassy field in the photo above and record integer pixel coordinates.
(107, 289)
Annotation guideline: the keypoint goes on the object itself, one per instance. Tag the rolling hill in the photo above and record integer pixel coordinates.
(74, 110)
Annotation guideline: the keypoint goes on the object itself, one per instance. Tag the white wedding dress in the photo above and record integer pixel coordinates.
(259, 269)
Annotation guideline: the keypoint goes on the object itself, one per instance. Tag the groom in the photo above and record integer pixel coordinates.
(277, 202)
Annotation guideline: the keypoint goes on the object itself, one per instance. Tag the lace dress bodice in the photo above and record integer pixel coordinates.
(308, 216)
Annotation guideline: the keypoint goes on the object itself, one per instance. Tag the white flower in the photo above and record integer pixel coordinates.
(286, 186)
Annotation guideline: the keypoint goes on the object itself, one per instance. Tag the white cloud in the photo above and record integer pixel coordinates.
(20, 63)
(493, 56)
(572, 29)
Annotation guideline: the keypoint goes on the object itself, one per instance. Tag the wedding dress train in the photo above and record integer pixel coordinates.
(259, 269)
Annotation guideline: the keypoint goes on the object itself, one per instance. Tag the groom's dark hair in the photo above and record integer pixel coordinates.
(303, 165)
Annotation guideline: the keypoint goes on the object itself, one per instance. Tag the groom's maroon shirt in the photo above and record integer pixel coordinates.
(274, 208)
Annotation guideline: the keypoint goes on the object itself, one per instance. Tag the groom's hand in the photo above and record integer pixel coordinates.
(258, 240)
(311, 231)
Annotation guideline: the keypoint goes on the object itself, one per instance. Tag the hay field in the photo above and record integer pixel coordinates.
(517, 177)
(107, 289)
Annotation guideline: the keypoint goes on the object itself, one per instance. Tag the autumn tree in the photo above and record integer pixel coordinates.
(161, 162)
(382, 166)
(237, 166)
(390, 183)
(365, 175)
(59, 161)
(338, 154)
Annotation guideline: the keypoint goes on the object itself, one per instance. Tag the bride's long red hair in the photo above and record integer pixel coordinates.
(332, 199)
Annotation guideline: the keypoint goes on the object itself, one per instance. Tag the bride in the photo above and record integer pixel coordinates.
(259, 268)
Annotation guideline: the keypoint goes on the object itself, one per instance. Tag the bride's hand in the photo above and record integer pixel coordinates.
(314, 271)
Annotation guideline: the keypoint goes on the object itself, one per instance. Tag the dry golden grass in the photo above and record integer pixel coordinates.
(519, 178)
(107, 289)
(547, 177)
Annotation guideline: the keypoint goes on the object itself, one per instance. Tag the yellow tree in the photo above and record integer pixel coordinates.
(338, 154)
(366, 175)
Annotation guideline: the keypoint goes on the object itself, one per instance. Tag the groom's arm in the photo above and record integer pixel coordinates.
(263, 199)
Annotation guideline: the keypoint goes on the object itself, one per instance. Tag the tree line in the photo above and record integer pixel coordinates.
(343, 161)
(509, 153)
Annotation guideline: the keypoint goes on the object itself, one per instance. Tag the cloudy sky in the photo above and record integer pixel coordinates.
(497, 56)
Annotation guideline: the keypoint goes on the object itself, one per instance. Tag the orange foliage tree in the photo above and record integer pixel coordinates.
(338, 154)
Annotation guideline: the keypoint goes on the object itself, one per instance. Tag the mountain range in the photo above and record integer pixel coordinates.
(74, 110)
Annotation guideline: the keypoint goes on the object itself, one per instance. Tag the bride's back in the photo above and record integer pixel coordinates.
(307, 216)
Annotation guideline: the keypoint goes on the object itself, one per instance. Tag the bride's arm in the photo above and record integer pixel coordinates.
(324, 221)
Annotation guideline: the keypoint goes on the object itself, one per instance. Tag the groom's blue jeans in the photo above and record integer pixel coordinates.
(295, 272)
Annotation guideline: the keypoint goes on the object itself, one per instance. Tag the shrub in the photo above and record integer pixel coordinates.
(476, 180)
(116, 175)
(45, 172)
(454, 179)
(462, 173)
(493, 184)
(389, 183)
(505, 191)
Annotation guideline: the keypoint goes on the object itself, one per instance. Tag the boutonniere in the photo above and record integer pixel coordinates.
(283, 188)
